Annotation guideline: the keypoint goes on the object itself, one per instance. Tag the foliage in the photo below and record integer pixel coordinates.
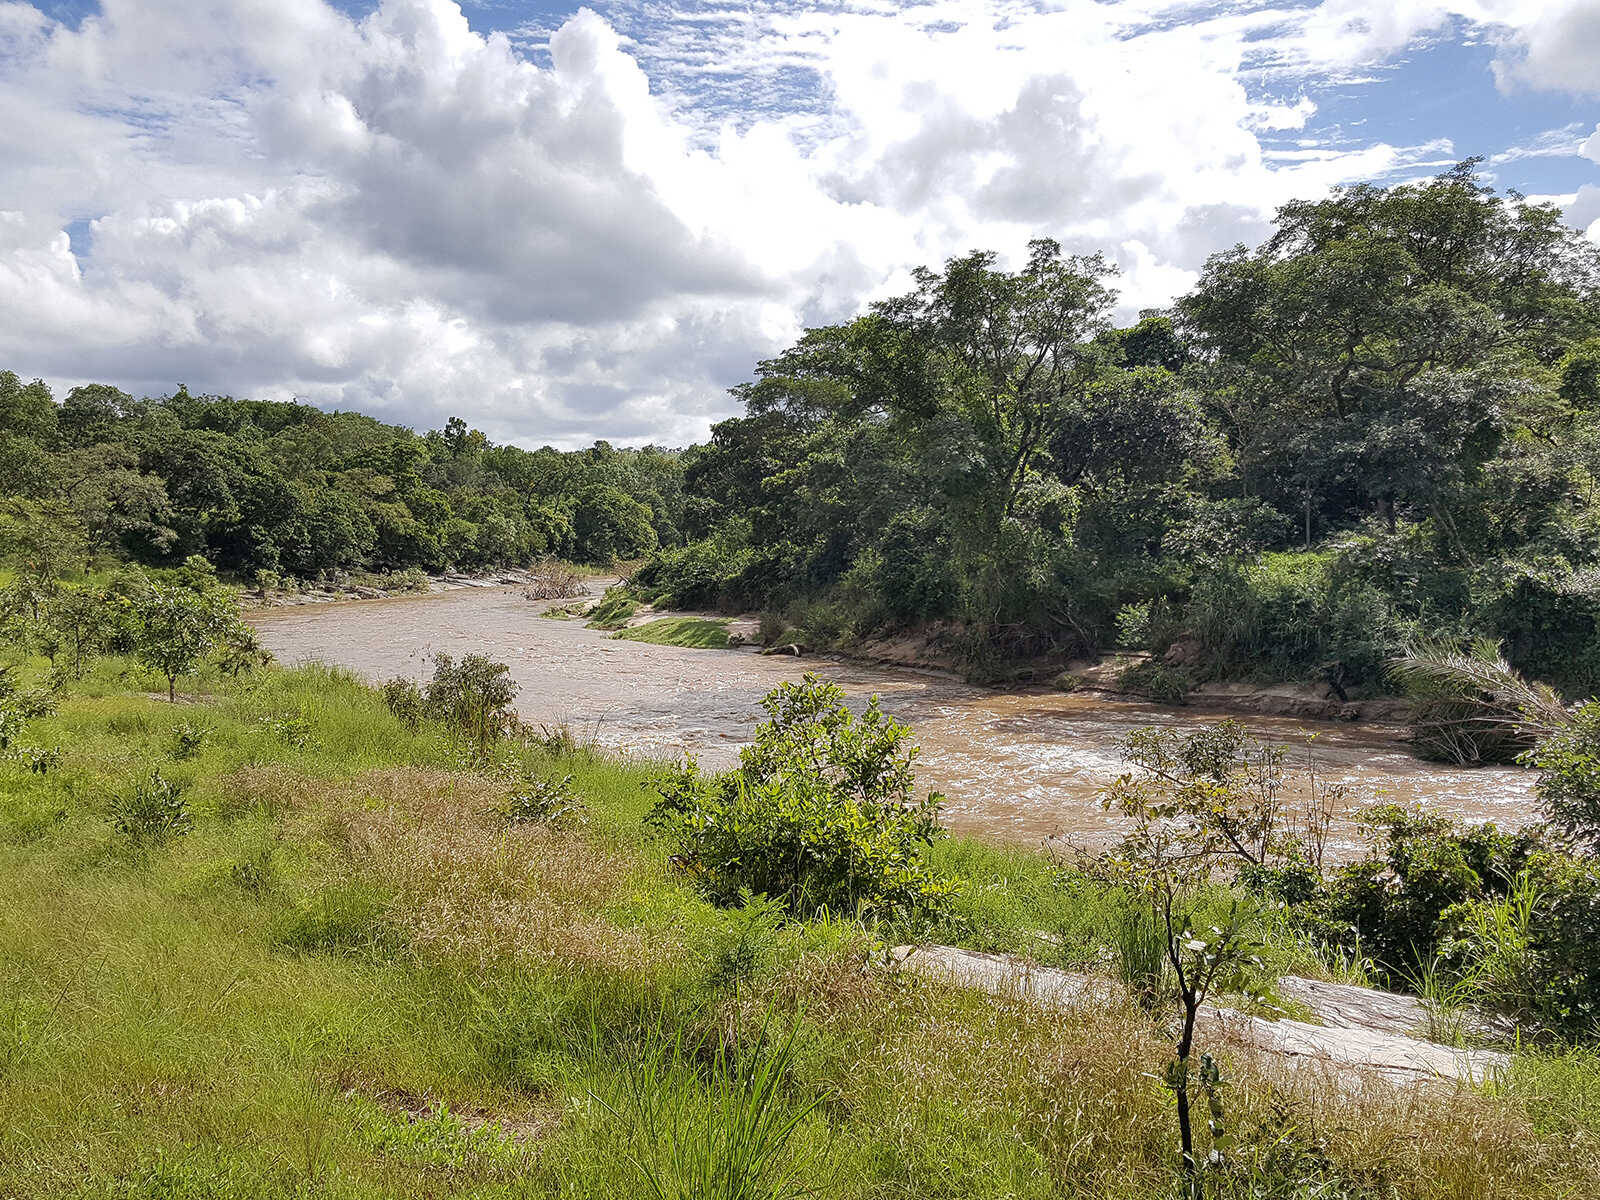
(1503, 920)
(1184, 802)
(1357, 429)
(1471, 706)
(1568, 761)
(472, 697)
(403, 698)
(1153, 678)
(818, 815)
(546, 802)
(182, 624)
(152, 811)
(609, 524)
(280, 492)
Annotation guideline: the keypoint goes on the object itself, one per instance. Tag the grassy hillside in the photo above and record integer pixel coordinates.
(356, 977)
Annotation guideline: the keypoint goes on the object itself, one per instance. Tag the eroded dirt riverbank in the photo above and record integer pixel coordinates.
(1016, 765)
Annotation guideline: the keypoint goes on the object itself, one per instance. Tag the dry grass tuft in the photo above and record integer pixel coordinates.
(471, 887)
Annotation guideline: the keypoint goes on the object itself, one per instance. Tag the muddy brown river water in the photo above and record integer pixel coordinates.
(1012, 765)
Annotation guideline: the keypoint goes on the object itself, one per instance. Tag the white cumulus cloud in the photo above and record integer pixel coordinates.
(593, 229)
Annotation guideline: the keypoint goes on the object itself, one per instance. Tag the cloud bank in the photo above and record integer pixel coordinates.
(594, 229)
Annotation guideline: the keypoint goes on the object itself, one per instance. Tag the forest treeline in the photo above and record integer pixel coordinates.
(1379, 424)
(1382, 424)
(259, 486)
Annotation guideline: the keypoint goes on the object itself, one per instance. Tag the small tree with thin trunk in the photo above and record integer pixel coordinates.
(1172, 857)
(178, 628)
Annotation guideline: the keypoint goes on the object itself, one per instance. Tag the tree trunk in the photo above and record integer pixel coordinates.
(172, 689)
(1194, 1188)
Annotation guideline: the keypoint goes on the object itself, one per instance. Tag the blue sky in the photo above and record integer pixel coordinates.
(567, 222)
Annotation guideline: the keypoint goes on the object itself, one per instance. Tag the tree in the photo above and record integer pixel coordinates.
(79, 616)
(178, 627)
(608, 524)
(1373, 350)
(1182, 832)
(1008, 349)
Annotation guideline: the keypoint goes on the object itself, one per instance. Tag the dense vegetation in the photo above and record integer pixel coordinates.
(287, 935)
(259, 487)
(1384, 421)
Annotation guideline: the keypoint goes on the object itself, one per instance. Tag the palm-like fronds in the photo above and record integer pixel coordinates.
(1468, 696)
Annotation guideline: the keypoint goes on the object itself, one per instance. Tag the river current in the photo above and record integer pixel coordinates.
(1012, 765)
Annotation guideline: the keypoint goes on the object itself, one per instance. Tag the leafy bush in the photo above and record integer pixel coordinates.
(40, 760)
(412, 579)
(909, 574)
(772, 629)
(1133, 625)
(179, 626)
(1507, 920)
(1153, 678)
(1291, 616)
(472, 697)
(819, 813)
(188, 737)
(546, 802)
(152, 811)
(1550, 627)
(696, 575)
(403, 698)
(1569, 779)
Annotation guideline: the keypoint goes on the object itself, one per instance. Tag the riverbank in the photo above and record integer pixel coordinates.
(348, 973)
(549, 581)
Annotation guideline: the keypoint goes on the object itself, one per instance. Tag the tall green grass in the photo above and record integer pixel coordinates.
(355, 978)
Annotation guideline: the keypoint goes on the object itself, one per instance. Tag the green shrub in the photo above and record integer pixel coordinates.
(1549, 625)
(403, 698)
(472, 697)
(772, 629)
(819, 814)
(1569, 779)
(1153, 678)
(546, 802)
(188, 738)
(1512, 920)
(693, 576)
(1133, 626)
(292, 729)
(152, 811)
(1291, 616)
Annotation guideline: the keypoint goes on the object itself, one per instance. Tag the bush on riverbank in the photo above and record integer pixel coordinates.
(819, 815)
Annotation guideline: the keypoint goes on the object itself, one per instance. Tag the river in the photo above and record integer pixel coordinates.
(1012, 765)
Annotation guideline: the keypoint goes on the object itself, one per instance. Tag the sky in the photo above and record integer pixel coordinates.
(566, 222)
